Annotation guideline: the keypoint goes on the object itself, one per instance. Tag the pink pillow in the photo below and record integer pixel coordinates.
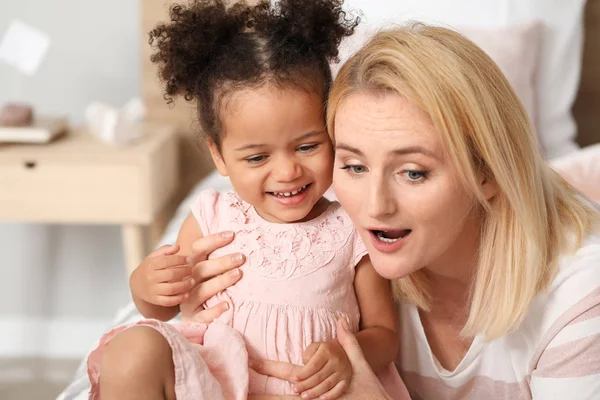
(582, 170)
(516, 49)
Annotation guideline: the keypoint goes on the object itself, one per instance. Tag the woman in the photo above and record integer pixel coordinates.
(495, 260)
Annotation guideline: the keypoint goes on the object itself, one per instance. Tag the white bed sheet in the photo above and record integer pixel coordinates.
(79, 387)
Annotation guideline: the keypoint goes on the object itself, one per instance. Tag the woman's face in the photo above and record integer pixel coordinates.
(400, 190)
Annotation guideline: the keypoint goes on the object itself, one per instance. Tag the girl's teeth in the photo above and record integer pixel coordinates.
(288, 194)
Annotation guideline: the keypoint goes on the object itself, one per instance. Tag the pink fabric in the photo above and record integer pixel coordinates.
(205, 358)
(516, 49)
(577, 358)
(477, 387)
(298, 281)
(582, 170)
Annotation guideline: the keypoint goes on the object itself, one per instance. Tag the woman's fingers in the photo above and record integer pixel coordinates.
(211, 287)
(210, 314)
(205, 270)
(350, 345)
(211, 277)
(364, 384)
(282, 370)
(201, 248)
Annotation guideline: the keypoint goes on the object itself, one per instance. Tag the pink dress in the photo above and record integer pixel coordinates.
(298, 281)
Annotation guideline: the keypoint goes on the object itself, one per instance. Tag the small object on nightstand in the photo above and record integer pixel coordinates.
(14, 114)
(113, 125)
(40, 130)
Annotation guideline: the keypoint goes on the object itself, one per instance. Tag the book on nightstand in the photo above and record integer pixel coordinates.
(42, 130)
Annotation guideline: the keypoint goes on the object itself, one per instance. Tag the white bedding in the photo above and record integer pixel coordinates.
(79, 386)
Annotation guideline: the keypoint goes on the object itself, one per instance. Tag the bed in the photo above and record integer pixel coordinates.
(559, 61)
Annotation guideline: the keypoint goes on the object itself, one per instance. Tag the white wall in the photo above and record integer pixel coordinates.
(59, 279)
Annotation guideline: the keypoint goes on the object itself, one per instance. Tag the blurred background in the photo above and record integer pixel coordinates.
(53, 276)
(64, 280)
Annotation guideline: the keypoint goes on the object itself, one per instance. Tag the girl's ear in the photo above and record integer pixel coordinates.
(217, 157)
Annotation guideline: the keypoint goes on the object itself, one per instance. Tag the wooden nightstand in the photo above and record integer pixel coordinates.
(79, 180)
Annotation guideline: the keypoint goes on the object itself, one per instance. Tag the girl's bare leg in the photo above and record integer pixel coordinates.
(137, 364)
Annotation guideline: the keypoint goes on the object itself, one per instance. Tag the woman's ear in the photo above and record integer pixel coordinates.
(489, 187)
(217, 157)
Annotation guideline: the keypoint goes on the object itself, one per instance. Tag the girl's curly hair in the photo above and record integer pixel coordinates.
(209, 49)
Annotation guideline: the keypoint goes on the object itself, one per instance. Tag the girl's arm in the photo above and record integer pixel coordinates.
(155, 270)
(379, 323)
(190, 232)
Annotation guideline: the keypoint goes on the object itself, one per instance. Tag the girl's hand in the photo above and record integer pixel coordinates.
(326, 372)
(364, 385)
(163, 278)
(212, 276)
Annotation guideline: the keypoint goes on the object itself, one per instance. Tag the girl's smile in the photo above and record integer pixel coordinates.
(276, 151)
(291, 197)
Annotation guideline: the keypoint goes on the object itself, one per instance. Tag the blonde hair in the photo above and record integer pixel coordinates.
(485, 132)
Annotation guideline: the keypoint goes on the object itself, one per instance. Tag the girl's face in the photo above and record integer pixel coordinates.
(276, 151)
(399, 189)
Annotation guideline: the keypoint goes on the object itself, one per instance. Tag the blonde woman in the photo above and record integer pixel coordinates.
(495, 259)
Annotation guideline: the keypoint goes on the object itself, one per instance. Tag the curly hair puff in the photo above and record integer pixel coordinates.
(209, 49)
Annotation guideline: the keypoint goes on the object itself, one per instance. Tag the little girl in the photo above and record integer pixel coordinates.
(260, 75)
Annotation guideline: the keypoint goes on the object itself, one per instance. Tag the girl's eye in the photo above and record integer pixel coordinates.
(416, 176)
(307, 148)
(256, 159)
(354, 169)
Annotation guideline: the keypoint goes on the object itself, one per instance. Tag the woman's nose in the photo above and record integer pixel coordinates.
(287, 170)
(380, 200)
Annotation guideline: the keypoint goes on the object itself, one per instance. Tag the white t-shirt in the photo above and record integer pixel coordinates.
(553, 354)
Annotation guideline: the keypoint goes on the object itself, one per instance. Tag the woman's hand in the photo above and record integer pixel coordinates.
(364, 385)
(211, 276)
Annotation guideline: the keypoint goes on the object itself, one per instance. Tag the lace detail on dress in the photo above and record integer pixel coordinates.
(283, 251)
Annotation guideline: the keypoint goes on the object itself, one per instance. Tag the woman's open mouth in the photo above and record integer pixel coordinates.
(391, 236)
(389, 240)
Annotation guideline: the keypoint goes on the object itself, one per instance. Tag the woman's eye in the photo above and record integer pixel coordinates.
(354, 169)
(256, 159)
(416, 176)
(306, 148)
